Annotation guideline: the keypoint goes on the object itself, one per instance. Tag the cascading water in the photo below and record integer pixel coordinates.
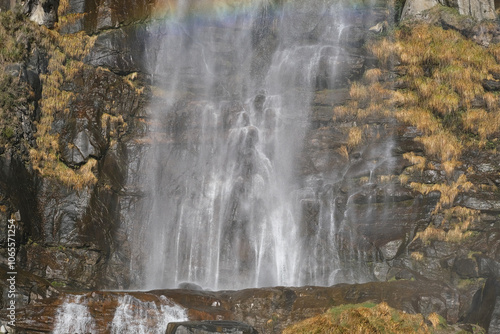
(130, 316)
(135, 316)
(233, 94)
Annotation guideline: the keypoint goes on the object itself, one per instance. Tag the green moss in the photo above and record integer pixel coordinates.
(336, 311)
(58, 284)
(8, 132)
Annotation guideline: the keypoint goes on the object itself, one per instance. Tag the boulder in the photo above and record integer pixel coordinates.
(414, 8)
(121, 50)
(202, 327)
(491, 85)
(43, 12)
(478, 9)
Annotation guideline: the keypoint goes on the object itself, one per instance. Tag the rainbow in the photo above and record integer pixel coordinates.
(208, 9)
(230, 11)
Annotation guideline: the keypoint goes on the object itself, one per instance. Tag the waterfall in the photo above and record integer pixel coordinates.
(232, 88)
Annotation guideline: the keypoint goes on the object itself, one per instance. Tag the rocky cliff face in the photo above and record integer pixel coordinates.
(478, 9)
(72, 152)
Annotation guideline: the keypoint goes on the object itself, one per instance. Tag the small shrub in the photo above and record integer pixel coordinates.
(435, 319)
(355, 137)
(417, 256)
(8, 132)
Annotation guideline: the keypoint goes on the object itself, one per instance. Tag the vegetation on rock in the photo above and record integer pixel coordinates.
(57, 60)
(14, 93)
(65, 61)
(367, 318)
(432, 79)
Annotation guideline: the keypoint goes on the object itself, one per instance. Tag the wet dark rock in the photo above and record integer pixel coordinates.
(404, 274)
(485, 309)
(107, 14)
(310, 215)
(81, 139)
(330, 98)
(487, 203)
(258, 102)
(63, 212)
(189, 286)
(77, 9)
(30, 288)
(487, 267)
(466, 268)
(62, 266)
(349, 68)
(432, 176)
(121, 50)
(201, 327)
(404, 145)
(491, 85)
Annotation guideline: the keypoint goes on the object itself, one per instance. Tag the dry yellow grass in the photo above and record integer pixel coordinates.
(434, 319)
(364, 318)
(442, 145)
(459, 218)
(431, 233)
(418, 162)
(491, 101)
(344, 152)
(403, 178)
(385, 50)
(359, 91)
(355, 137)
(483, 123)
(442, 73)
(457, 68)
(65, 54)
(373, 74)
(421, 118)
(417, 256)
(448, 191)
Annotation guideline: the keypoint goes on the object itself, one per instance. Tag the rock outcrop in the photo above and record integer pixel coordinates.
(478, 9)
(268, 310)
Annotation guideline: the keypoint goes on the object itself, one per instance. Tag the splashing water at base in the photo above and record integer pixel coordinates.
(73, 316)
(131, 316)
(138, 317)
